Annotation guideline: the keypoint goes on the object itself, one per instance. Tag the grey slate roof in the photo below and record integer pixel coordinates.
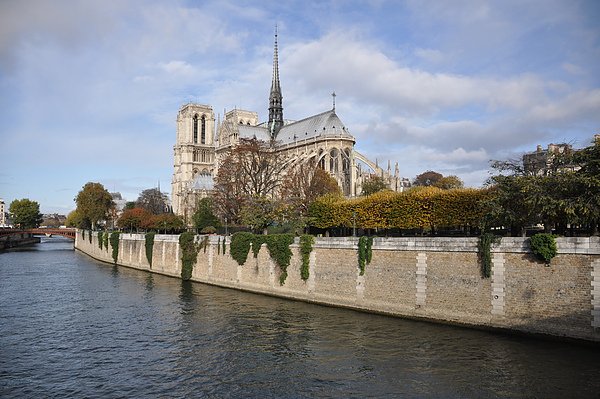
(249, 132)
(324, 124)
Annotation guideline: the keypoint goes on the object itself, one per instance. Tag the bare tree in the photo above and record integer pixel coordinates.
(153, 201)
(252, 169)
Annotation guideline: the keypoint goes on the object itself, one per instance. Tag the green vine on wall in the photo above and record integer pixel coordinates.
(240, 246)
(224, 246)
(484, 247)
(278, 245)
(279, 248)
(189, 253)
(543, 246)
(204, 244)
(219, 246)
(105, 240)
(306, 246)
(100, 235)
(149, 237)
(365, 252)
(83, 234)
(114, 243)
(90, 236)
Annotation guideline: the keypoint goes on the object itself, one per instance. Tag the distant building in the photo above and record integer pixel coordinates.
(119, 202)
(555, 158)
(2, 214)
(53, 220)
(543, 162)
(322, 140)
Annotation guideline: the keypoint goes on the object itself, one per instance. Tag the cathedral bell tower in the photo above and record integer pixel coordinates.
(275, 98)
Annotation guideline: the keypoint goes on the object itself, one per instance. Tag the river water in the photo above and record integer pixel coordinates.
(74, 327)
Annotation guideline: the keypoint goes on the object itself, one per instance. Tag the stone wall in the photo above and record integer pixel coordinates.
(437, 279)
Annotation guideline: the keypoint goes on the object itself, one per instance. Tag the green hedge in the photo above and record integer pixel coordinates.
(420, 207)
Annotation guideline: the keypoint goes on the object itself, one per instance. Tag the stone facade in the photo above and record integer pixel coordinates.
(437, 279)
(2, 214)
(319, 140)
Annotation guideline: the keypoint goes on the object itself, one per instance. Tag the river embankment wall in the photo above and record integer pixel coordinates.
(437, 279)
(18, 239)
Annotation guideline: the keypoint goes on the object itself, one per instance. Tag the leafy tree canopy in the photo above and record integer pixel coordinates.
(428, 178)
(449, 183)
(167, 223)
(94, 203)
(204, 215)
(75, 219)
(373, 185)
(25, 213)
(133, 219)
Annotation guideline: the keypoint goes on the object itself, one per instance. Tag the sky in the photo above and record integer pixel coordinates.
(90, 89)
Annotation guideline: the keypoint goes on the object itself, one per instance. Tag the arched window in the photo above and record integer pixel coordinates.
(333, 161)
(203, 133)
(195, 129)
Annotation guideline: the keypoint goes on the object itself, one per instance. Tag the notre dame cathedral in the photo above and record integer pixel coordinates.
(320, 139)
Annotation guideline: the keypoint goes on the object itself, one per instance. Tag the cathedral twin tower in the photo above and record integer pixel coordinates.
(320, 139)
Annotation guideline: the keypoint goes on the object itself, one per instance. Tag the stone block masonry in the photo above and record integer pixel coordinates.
(436, 279)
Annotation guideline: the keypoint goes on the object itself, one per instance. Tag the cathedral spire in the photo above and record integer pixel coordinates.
(275, 98)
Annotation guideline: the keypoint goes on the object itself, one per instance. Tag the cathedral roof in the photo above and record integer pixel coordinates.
(249, 132)
(325, 124)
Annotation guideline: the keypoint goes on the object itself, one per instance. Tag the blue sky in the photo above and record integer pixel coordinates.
(90, 89)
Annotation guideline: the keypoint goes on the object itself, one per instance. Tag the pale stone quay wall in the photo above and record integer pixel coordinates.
(437, 279)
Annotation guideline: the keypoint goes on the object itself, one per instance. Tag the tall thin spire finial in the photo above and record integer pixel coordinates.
(333, 95)
(275, 98)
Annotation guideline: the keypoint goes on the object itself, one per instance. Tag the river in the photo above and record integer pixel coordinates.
(74, 327)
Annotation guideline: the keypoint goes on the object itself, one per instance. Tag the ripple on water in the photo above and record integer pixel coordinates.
(73, 327)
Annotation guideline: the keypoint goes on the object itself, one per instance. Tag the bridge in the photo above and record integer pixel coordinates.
(48, 232)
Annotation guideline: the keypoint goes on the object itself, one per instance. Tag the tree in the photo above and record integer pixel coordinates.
(25, 213)
(587, 185)
(373, 184)
(259, 213)
(75, 219)
(449, 183)
(166, 222)
(129, 205)
(153, 201)
(428, 178)
(522, 199)
(133, 219)
(204, 215)
(94, 203)
(306, 183)
(250, 169)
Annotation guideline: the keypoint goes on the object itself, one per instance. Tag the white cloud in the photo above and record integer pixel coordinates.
(177, 68)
